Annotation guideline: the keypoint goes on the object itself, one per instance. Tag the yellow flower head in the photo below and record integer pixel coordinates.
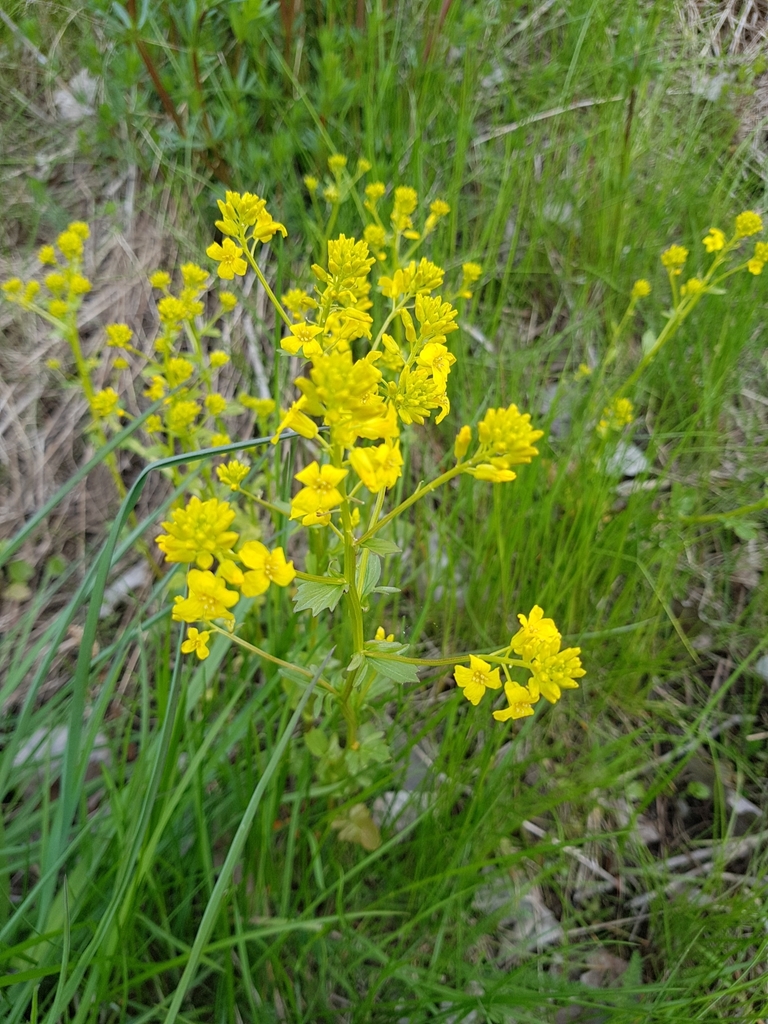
(616, 416)
(233, 474)
(492, 474)
(47, 256)
(692, 286)
(193, 276)
(13, 289)
(79, 228)
(266, 567)
(153, 424)
(760, 258)
(219, 440)
(405, 202)
(79, 285)
(105, 403)
(439, 208)
(118, 335)
(462, 442)
(375, 236)
(181, 415)
(229, 258)
(507, 436)
(641, 288)
(534, 632)
(312, 184)
(319, 495)
(554, 670)
(302, 338)
(208, 598)
(53, 364)
(160, 279)
(336, 163)
(363, 165)
(71, 244)
(172, 311)
(519, 699)
(228, 301)
(476, 679)
(263, 407)
(382, 635)
(436, 318)
(714, 241)
(215, 403)
(156, 389)
(218, 358)
(470, 275)
(198, 533)
(375, 191)
(748, 223)
(296, 419)
(121, 363)
(297, 302)
(438, 360)
(674, 257)
(178, 370)
(379, 467)
(331, 194)
(196, 642)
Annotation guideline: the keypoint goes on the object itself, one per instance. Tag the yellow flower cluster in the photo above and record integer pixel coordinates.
(246, 218)
(552, 670)
(617, 415)
(200, 534)
(65, 284)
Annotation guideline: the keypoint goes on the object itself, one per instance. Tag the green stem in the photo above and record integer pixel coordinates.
(257, 270)
(717, 517)
(269, 657)
(418, 493)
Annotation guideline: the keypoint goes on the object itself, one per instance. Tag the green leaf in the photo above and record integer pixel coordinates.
(372, 574)
(355, 661)
(745, 529)
(648, 341)
(317, 596)
(386, 590)
(380, 546)
(317, 742)
(397, 671)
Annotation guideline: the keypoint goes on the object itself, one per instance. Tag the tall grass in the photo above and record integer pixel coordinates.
(107, 869)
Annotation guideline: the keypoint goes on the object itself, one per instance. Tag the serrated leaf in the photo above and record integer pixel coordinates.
(318, 596)
(372, 574)
(397, 671)
(379, 546)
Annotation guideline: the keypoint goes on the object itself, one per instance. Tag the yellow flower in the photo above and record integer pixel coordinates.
(172, 311)
(156, 389)
(476, 679)
(674, 257)
(215, 403)
(263, 407)
(435, 317)
(405, 202)
(331, 194)
(218, 358)
(363, 165)
(229, 258)
(56, 283)
(296, 419)
(297, 301)
(153, 424)
(79, 228)
(118, 335)
(507, 436)
(53, 364)
(381, 635)
(160, 279)
(311, 183)
(375, 191)
(79, 285)
(554, 670)
(302, 336)
(181, 415)
(492, 474)
(47, 256)
(231, 572)
(233, 474)
(266, 567)
(438, 359)
(336, 163)
(121, 363)
(379, 467)
(71, 245)
(417, 394)
(616, 416)
(376, 237)
(13, 289)
(345, 393)
(759, 259)
(193, 276)
(641, 288)
(439, 208)
(692, 286)
(198, 533)
(319, 495)
(57, 307)
(583, 371)
(519, 699)
(714, 241)
(535, 630)
(208, 599)
(105, 403)
(462, 442)
(228, 301)
(748, 223)
(197, 642)
(178, 370)
(219, 440)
